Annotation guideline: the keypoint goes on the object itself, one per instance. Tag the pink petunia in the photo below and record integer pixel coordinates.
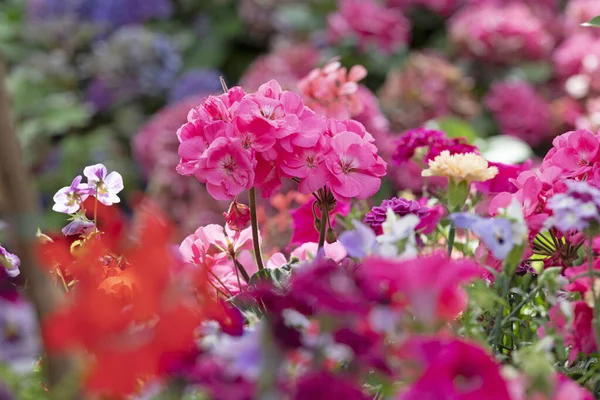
(452, 369)
(430, 286)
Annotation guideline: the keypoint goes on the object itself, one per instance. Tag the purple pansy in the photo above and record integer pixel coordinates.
(358, 242)
(103, 185)
(69, 199)
(79, 224)
(495, 233)
(10, 262)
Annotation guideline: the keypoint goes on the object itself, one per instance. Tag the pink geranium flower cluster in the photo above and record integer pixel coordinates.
(520, 111)
(500, 33)
(369, 24)
(236, 141)
(333, 90)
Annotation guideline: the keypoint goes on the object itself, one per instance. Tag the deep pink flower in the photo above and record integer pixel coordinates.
(330, 288)
(520, 111)
(355, 170)
(578, 333)
(228, 169)
(452, 370)
(304, 226)
(500, 33)
(69, 199)
(429, 285)
(325, 385)
(369, 23)
(502, 182)
(237, 217)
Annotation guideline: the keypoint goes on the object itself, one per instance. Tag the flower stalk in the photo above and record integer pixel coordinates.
(254, 223)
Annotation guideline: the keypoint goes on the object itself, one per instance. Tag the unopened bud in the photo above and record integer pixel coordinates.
(331, 236)
(238, 216)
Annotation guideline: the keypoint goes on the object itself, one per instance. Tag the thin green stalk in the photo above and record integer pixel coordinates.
(254, 222)
(451, 236)
(515, 310)
(595, 296)
(240, 267)
(322, 227)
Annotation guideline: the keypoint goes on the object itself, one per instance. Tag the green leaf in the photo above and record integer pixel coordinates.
(594, 22)
(536, 72)
(455, 128)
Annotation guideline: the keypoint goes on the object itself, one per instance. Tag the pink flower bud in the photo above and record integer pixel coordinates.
(238, 216)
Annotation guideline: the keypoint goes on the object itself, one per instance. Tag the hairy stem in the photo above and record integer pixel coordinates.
(254, 222)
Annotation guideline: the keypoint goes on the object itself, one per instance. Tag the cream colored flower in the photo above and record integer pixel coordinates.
(589, 295)
(461, 167)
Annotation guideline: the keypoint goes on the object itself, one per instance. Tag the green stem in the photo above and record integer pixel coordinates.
(240, 267)
(96, 210)
(451, 236)
(254, 222)
(528, 298)
(595, 296)
(322, 227)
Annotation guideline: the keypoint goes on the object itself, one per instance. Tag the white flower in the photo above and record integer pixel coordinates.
(398, 231)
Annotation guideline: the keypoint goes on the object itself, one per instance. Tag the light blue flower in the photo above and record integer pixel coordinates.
(495, 233)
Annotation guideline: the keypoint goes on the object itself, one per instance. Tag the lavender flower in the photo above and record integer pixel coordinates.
(133, 61)
(103, 185)
(495, 233)
(10, 262)
(401, 207)
(79, 224)
(19, 340)
(69, 199)
(108, 14)
(359, 242)
(195, 82)
(577, 209)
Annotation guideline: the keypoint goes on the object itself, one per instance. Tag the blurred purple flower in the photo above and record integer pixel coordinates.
(109, 14)
(10, 262)
(133, 61)
(194, 83)
(360, 241)
(19, 339)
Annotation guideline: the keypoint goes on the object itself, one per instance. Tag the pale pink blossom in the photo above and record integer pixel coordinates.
(333, 90)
